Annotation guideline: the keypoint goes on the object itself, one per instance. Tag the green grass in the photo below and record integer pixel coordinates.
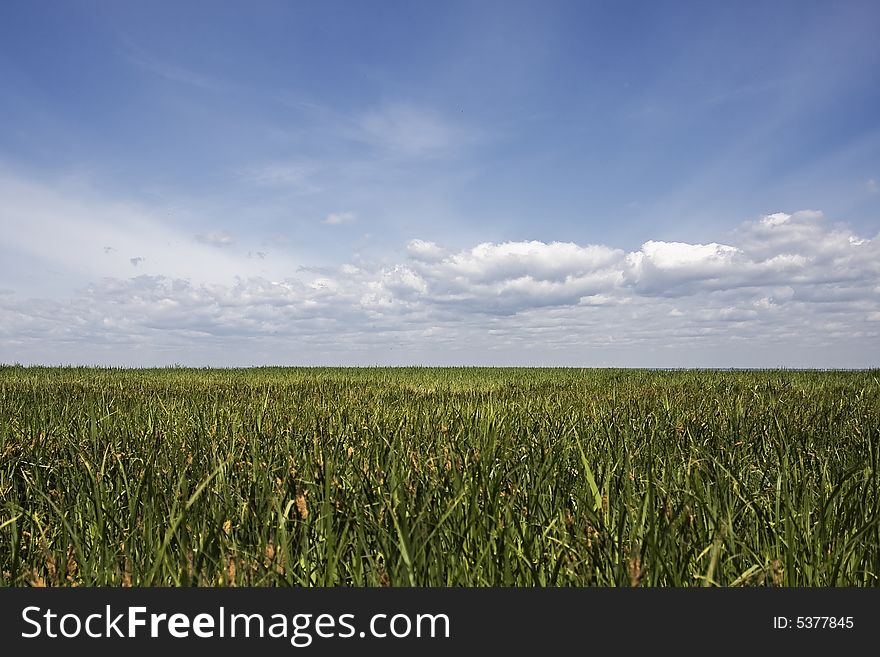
(438, 477)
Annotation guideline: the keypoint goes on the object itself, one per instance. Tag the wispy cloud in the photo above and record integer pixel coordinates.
(397, 129)
(409, 131)
(171, 71)
(292, 176)
(339, 218)
(85, 235)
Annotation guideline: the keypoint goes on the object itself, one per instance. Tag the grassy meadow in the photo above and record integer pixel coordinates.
(438, 477)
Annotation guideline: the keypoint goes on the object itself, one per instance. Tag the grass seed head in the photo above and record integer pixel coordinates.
(36, 580)
(636, 573)
(301, 507)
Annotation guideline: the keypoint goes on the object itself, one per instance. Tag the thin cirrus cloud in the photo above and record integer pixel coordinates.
(169, 71)
(218, 239)
(84, 236)
(397, 129)
(371, 149)
(409, 131)
(793, 285)
(340, 218)
(299, 177)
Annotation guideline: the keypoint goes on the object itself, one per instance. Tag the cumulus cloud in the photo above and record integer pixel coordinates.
(789, 287)
(425, 251)
(339, 218)
(512, 276)
(662, 267)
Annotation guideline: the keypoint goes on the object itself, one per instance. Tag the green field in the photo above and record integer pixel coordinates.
(438, 477)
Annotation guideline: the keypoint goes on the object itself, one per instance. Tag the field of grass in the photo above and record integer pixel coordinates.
(438, 477)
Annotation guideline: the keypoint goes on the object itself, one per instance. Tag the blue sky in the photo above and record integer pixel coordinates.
(417, 166)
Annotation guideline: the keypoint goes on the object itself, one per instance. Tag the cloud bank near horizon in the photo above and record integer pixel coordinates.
(783, 290)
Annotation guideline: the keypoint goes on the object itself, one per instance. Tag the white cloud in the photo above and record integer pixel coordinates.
(488, 262)
(787, 287)
(775, 219)
(339, 218)
(678, 255)
(425, 251)
(663, 266)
